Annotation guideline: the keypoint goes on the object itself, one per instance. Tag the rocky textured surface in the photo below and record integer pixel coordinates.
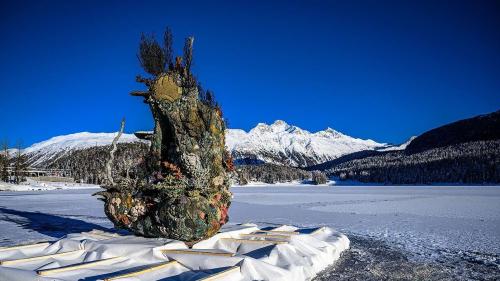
(184, 193)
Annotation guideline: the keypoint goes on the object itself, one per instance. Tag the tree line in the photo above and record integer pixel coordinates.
(269, 173)
(89, 165)
(12, 164)
(475, 162)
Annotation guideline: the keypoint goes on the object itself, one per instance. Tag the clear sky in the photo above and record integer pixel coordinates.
(384, 70)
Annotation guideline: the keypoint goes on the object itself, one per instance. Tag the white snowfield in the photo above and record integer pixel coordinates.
(398, 147)
(32, 185)
(433, 223)
(52, 147)
(238, 252)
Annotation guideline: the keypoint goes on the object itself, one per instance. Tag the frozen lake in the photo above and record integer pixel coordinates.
(456, 217)
(430, 223)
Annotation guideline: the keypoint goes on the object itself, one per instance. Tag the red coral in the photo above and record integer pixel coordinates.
(223, 214)
(228, 161)
(124, 219)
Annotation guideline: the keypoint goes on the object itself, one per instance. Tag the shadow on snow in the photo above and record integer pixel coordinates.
(51, 225)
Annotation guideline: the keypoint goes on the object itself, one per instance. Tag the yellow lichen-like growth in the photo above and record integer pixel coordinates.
(129, 200)
(166, 89)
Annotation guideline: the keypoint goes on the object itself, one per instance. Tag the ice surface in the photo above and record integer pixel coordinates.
(31, 184)
(429, 221)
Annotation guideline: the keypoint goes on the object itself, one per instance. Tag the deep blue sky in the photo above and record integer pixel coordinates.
(384, 70)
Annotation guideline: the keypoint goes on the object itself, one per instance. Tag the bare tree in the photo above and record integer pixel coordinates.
(112, 154)
(151, 55)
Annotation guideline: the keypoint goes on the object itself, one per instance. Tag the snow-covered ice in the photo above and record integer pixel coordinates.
(31, 185)
(418, 217)
(430, 222)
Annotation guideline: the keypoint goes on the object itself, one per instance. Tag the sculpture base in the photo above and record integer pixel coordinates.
(169, 213)
(238, 252)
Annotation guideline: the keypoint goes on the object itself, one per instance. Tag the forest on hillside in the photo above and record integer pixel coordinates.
(475, 162)
(269, 173)
(88, 166)
(470, 163)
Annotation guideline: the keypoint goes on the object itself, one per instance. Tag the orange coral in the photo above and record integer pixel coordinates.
(228, 161)
(223, 214)
(176, 171)
(124, 219)
(201, 215)
(218, 110)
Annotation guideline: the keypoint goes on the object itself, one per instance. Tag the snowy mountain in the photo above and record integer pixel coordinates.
(277, 143)
(53, 148)
(281, 143)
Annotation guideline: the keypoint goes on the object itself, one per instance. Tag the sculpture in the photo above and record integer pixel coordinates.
(184, 192)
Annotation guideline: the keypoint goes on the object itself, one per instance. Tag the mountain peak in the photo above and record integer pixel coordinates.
(281, 143)
(277, 126)
(279, 123)
(329, 133)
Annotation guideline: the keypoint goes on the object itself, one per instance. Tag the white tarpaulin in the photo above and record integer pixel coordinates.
(238, 252)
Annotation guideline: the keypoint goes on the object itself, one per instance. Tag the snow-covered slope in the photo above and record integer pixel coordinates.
(55, 147)
(398, 147)
(281, 143)
(277, 143)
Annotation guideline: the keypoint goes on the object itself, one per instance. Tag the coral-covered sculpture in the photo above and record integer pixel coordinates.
(184, 193)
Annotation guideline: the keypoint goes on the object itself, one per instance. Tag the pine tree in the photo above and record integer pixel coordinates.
(20, 165)
(5, 162)
(319, 177)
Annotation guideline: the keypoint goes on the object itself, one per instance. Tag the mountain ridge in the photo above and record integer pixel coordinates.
(276, 143)
(281, 143)
(464, 151)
